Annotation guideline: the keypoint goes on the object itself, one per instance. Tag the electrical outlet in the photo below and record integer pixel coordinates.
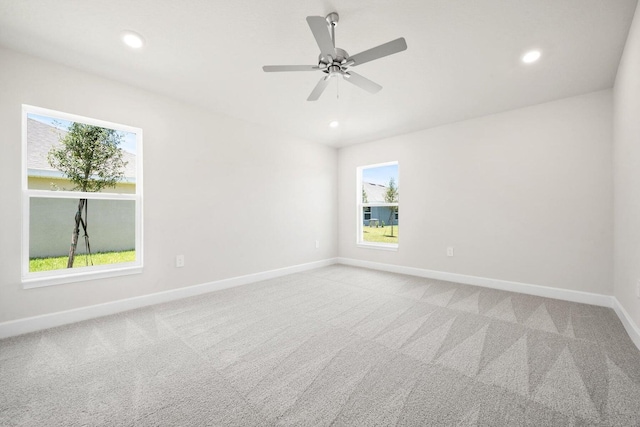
(179, 260)
(317, 244)
(449, 251)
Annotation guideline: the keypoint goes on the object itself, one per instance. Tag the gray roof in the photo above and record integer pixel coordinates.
(41, 137)
(375, 192)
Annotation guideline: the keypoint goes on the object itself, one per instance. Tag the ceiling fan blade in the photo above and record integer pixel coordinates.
(320, 87)
(320, 30)
(362, 82)
(394, 46)
(275, 68)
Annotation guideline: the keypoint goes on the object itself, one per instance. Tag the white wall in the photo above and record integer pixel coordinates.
(523, 196)
(627, 174)
(234, 198)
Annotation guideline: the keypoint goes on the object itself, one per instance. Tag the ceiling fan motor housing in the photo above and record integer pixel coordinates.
(333, 65)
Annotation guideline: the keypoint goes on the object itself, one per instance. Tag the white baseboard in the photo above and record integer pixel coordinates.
(37, 323)
(629, 325)
(505, 285)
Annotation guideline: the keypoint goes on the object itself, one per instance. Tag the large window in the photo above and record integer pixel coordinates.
(82, 198)
(378, 205)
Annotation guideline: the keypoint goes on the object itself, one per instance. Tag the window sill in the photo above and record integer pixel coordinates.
(36, 280)
(379, 246)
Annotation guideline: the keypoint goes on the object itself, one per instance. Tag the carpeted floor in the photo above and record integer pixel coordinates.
(334, 346)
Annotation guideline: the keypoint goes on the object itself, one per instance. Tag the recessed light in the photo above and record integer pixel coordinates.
(531, 56)
(334, 124)
(132, 39)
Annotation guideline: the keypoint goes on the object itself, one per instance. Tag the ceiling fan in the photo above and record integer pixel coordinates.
(334, 62)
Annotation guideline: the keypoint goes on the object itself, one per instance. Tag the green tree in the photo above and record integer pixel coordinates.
(391, 196)
(90, 157)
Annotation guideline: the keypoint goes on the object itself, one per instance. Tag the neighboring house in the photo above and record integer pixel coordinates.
(375, 194)
(111, 222)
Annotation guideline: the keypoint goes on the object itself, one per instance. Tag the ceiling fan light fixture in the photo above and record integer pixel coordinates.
(531, 56)
(132, 39)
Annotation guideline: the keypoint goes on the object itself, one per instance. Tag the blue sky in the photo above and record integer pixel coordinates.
(128, 143)
(380, 175)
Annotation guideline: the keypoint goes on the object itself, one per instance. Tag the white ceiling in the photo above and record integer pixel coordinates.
(462, 61)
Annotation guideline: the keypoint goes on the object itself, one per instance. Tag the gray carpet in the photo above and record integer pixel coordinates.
(336, 346)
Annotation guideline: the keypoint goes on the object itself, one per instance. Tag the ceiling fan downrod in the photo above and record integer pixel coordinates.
(332, 20)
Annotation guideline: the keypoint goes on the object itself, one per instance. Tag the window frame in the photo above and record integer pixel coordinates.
(360, 205)
(55, 277)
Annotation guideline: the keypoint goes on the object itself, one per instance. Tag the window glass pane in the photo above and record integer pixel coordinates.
(110, 225)
(382, 226)
(380, 184)
(58, 151)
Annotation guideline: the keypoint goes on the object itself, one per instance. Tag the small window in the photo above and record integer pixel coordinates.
(378, 205)
(367, 214)
(82, 192)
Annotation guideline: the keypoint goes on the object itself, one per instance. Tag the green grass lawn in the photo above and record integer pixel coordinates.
(59, 263)
(380, 235)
